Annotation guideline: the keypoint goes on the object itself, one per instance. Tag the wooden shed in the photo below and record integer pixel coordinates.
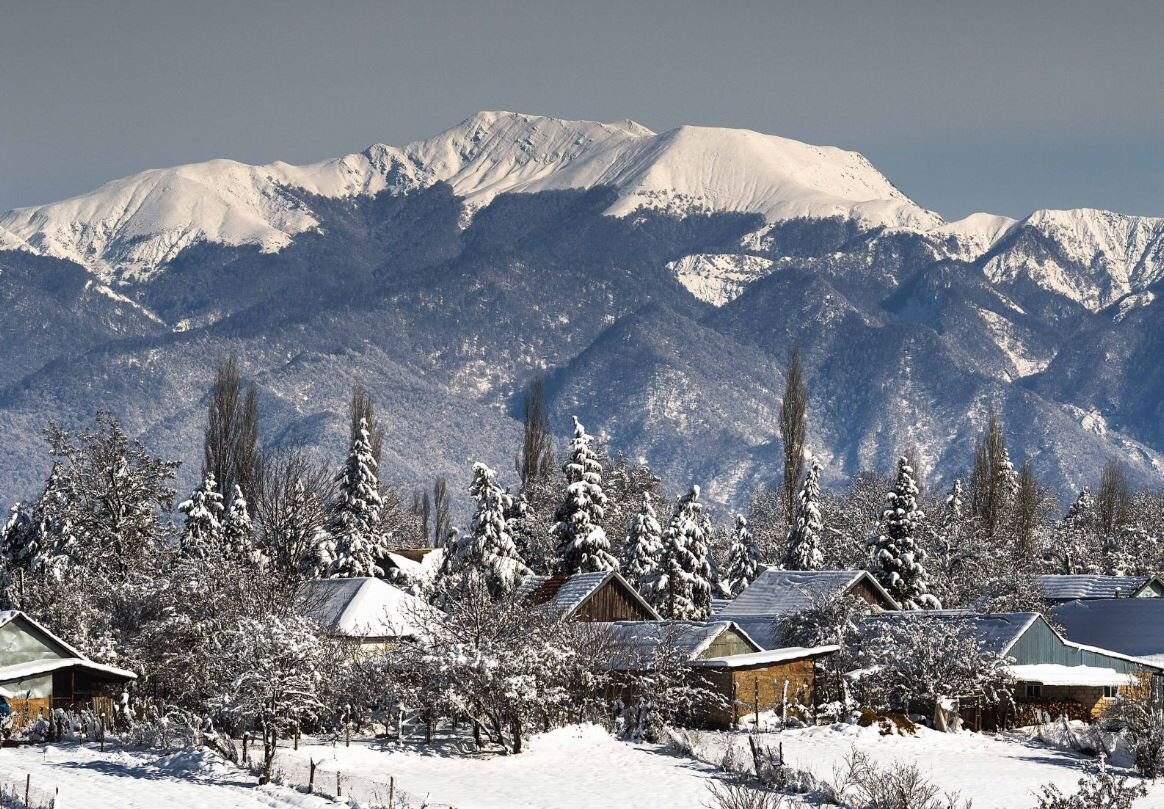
(604, 597)
(40, 672)
(723, 658)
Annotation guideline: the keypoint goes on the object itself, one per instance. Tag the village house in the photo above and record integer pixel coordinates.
(1130, 626)
(40, 672)
(604, 596)
(722, 658)
(776, 594)
(366, 610)
(1051, 673)
(1057, 589)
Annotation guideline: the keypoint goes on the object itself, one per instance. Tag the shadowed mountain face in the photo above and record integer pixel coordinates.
(665, 327)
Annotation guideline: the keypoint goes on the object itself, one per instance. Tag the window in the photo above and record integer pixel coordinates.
(1034, 690)
(1111, 691)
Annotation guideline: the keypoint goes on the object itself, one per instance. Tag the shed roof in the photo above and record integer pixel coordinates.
(766, 658)
(366, 608)
(782, 592)
(568, 593)
(637, 641)
(34, 668)
(1132, 626)
(1054, 674)
(995, 632)
(1069, 588)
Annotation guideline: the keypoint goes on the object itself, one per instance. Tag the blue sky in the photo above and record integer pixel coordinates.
(1003, 107)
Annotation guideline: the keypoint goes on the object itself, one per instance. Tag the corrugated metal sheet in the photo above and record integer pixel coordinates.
(1069, 588)
(1131, 626)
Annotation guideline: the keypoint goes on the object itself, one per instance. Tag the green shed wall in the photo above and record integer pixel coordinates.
(1040, 644)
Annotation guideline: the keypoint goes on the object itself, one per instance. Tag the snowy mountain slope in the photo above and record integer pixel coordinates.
(972, 236)
(1089, 256)
(719, 278)
(127, 229)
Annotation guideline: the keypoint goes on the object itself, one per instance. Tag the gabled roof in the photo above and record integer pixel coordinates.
(568, 594)
(995, 632)
(783, 592)
(365, 608)
(636, 642)
(998, 632)
(1069, 588)
(1131, 626)
(71, 657)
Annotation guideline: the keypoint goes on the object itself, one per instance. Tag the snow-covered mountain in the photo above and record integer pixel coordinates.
(658, 279)
(129, 228)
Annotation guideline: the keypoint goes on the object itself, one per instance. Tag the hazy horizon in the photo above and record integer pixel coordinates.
(984, 108)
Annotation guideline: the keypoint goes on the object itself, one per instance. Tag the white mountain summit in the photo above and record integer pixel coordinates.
(127, 229)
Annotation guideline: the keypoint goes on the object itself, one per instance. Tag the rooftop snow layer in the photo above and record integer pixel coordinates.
(635, 642)
(781, 592)
(767, 657)
(1054, 674)
(366, 608)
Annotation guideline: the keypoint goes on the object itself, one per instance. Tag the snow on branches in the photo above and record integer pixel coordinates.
(805, 533)
(582, 543)
(897, 557)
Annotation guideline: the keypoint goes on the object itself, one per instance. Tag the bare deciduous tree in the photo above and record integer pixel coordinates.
(231, 443)
(361, 407)
(535, 461)
(1114, 497)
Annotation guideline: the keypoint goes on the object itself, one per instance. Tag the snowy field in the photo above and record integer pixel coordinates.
(585, 768)
(568, 768)
(143, 779)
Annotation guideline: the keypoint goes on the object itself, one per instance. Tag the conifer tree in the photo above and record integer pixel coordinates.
(897, 558)
(355, 514)
(1077, 545)
(644, 550)
(237, 529)
(488, 550)
(805, 534)
(743, 558)
(685, 582)
(582, 543)
(202, 533)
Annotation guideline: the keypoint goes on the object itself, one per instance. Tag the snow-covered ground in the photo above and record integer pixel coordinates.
(143, 779)
(569, 768)
(585, 768)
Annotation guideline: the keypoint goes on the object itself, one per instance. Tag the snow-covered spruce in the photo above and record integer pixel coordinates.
(805, 533)
(582, 543)
(644, 550)
(488, 550)
(202, 532)
(897, 557)
(743, 559)
(355, 514)
(685, 580)
(238, 532)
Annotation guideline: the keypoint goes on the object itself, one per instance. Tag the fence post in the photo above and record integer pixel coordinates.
(296, 742)
(756, 704)
(102, 728)
(311, 776)
(339, 792)
(27, 788)
(391, 791)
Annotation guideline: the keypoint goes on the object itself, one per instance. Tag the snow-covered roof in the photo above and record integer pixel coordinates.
(567, 594)
(1069, 588)
(366, 608)
(766, 658)
(33, 668)
(766, 630)
(1054, 674)
(1131, 626)
(783, 592)
(7, 616)
(995, 632)
(637, 641)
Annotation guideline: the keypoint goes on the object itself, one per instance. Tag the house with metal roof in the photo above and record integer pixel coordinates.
(366, 609)
(1057, 588)
(40, 672)
(605, 596)
(1048, 668)
(724, 660)
(1131, 626)
(776, 594)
